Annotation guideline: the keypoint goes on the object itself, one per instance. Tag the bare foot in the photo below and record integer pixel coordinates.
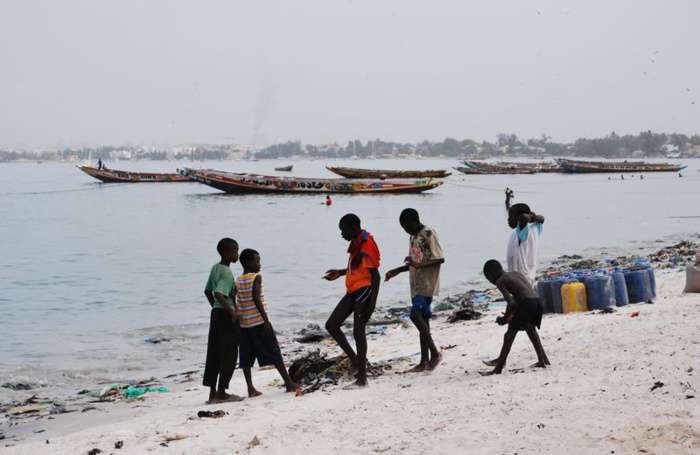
(293, 386)
(539, 365)
(221, 396)
(416, 369)
(491, 363)
(356, 385)
(252, 393)
(434, 362)
(489, 373)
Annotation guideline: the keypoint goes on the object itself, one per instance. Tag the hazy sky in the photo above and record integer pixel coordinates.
(165, 71)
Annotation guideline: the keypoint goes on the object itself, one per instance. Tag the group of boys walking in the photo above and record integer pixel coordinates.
(239, 318)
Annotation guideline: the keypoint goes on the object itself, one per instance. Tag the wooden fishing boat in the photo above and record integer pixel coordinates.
(115, 176)
(498, 168)
(549, 168)
(232, 182)
(355, 173)
(285, 168)
(578, 166)
(471, 170)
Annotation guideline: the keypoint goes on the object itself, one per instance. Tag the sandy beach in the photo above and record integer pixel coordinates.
(617, 384)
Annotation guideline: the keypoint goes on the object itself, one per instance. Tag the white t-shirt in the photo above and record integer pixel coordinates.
(522, 250)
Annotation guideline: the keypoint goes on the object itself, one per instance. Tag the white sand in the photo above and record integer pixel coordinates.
(596, 398)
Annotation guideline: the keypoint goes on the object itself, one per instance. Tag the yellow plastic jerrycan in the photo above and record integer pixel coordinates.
(573, 297)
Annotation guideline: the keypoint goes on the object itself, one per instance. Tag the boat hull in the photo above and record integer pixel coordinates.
(355, 173)
(476, 167)
(116, 176)
(239, 183)
(615, 167)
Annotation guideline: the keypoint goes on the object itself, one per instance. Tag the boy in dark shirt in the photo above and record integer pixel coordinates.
(523, 312)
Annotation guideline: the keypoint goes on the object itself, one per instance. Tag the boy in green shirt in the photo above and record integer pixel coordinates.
(222, 345)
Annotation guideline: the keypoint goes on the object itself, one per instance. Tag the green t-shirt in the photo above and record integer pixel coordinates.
(221, 281)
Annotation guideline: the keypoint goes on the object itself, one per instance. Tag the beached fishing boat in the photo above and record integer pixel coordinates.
(578, 166)
(355, 173)
(115, 176)
(232, 182)
(285, 168)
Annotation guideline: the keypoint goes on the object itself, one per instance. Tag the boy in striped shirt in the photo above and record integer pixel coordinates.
(257, 339)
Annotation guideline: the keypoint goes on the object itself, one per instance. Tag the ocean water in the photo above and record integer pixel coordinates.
(90, 271)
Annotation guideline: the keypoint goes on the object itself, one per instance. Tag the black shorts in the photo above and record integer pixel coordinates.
(528, 314)
(255, 343)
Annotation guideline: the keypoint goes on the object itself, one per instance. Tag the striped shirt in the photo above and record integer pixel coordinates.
(247, 311)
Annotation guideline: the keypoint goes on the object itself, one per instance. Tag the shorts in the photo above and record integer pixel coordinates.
(527, 315)
(361, 297)
(255, 343)
(421, 304)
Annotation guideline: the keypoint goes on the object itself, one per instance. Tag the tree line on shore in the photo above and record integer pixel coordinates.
(646, 143)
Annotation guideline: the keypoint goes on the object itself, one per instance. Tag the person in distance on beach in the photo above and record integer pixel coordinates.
(524, 241)
(523, 312)
(257, 339)
(423, 264)
(222, 344)
(362, 281)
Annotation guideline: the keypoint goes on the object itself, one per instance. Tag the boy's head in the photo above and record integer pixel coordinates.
(250, 260)
(410, 221)
(350, 226)
(228, 249)
(514, 214)
(493, 270)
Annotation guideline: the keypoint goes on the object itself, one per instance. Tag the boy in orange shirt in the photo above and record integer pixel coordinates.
(362, 283)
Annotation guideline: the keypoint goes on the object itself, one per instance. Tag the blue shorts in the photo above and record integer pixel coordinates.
(421, 304)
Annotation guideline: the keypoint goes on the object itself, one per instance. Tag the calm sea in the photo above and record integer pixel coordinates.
(90, 271)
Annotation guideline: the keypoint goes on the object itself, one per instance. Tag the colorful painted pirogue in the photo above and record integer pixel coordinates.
(577, 166)
(232, 182)
(115, 176)
(355, 173)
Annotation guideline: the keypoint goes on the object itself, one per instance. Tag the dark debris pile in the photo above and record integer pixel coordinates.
(316, 371)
